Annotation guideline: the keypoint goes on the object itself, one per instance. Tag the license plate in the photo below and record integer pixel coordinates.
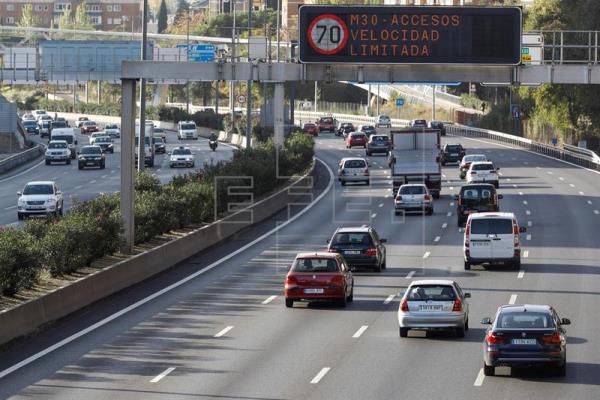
(89, 163)
(454, 155)
(429, 307)
(313, 291)
(352, 252)
(36, 207)
(524, 341)
(480, 244)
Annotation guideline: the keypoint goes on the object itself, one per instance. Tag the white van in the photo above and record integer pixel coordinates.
(492, 238)
(187, 130)
(68, 135)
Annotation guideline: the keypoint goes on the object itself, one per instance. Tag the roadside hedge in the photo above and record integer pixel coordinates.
(207, 118)
(91, 229)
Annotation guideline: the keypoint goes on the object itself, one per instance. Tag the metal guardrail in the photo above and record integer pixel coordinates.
(527, 144)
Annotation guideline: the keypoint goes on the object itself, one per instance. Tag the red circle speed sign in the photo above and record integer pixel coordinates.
(327, 34)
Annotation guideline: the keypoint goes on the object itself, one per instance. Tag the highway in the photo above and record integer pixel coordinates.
(81, 185)
(226, 334)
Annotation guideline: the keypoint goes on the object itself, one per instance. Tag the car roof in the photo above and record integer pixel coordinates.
(89, 145)
(350, 229)
(352, 159)
(492, 215)
(40, 183)
(477, 185)
(475, 155)
(432, 282)
(481, 163)
(413, 184)
(57, 141)
(317, 254)
(519, 308)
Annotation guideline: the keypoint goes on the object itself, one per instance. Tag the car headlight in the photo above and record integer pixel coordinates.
(50, 201)
(81, 158)
(21, 202)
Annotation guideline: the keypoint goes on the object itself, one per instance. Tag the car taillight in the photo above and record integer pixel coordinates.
(404, 305)
(457, 305)
(492, 172)
(398, 198)
(473, 173)
(337, 280)
(492, 338)
(372, 252)
(427, 197)
(366, 171)
(551, 339)
(460, 201)
(516, 233)
(291, 282)
(332, 250)
(467, 234)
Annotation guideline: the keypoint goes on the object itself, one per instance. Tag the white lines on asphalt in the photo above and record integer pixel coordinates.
(10, 208)
(66, 172)
(224, 331)
(437, 239)
(525, 202)
(452, 204)
(23, 172)
(389, 299)
(525, 162)
(581, 193)
(449, 214)
(513, 299)
(480, 378)
(550, 172)
(388, 195)
(443, 175)
(444, 225)
(409, 276)
(530, 223)
(162, 375)
(373, 215)
(528, 212)
(500, 173)
(507, 179)
(103, 177)
(93, 181)
(360, 331)
(364, 225)
(451, 187)
(320, 375)
(460, 230)
(380, 205)
(113, 171)
(596, 212)
(526, 254)
(589, 202)
(528, 237)
(561, 178)
(570, 184)
(78, 187)
(521, 274)
(520, 193)
(269, 299)
(427, 254)
(515, 186)
(54, 178)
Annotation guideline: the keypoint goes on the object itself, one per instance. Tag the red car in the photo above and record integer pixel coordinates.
(89, 127)
(356, 139)
(326, 124)
(311, 129)
(319, 276)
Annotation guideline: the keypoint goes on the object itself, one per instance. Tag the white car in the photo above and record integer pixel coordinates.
(39, 198)
(58, 151)
(95, 136)
(353, 169)
(434, 304)
(383, 121)
(160, 133)
(28, 117)
(38, 113)
(181, 157)
(483, 172)
(492, 238)
(112, 130)
(413, 197)
(187, 130)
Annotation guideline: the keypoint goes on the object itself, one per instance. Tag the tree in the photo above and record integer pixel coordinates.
(28, 18)
(82, 19)
(65, 21)
(182, 5)
(162, 17)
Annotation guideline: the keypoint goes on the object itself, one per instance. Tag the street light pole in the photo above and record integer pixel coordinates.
(187, 84)
(249, 85)
(278, 27)
(231, 83)
(142, 139)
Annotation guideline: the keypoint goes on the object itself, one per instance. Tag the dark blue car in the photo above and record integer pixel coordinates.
(31, 127)
(360, 246)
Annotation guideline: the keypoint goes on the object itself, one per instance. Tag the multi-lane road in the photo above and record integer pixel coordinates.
(85, 184)
(224, 332)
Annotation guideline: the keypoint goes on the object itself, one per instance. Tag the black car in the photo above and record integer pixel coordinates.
(368, 130)
(105, 143)
(438, 125)
(525, 336)
(159, 145)
(31, 126)
(345, 128)
(91, 156)
(452, 153)
(476, 198)
(360, 246)
(418, 123)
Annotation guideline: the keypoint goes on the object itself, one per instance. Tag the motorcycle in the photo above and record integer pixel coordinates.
(213, 144)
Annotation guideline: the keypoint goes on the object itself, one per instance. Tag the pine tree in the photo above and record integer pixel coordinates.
(162, 17)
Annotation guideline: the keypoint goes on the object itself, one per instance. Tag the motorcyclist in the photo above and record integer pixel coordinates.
(212, 141)
(213, 137)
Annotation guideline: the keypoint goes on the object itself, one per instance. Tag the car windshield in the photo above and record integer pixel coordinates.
(380, 138)
(383, 117)
(355, 164)
(412, 190)
(29, 123)
(180, 152)
(436, 124)
(432, 293)
(157, 140)
(357, 136)
(91, 150)
(420, 122)
(347, 125)
(38, 189)
(315, 265)
(111, 126)
(103, 139)
(326, 120)
(482, 167)
(367, 128)
(188, 126)
(453, 148)
(89, 123)
(66, 138)
(59, 124)
(158, 130)
(524, 320)
(479, 195)
(57, 145)
(477, 157)
(45, 124)
(362, 238)
(491, 226)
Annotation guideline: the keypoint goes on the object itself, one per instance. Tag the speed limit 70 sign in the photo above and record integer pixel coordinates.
(327, 34)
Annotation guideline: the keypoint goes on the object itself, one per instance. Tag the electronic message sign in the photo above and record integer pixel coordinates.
(410, 35)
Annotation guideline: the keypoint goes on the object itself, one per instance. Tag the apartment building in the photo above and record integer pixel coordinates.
(104, 14)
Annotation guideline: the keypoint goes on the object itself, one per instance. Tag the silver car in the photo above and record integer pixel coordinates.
(434, 304)
(413, 197)
(353, 169)
(379, 144)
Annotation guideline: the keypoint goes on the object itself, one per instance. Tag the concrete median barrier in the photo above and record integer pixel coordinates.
(30, 316)
(18, 159)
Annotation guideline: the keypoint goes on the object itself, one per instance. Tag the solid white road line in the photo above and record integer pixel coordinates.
(530, 223)
(525, 202)
(521, 274)
(389, 299)
(360, 331)
(10, 208)
(380, 205)
(596, 212)
(410, 275)
(449, 214)
(23, 172)
(526, 254)
(373, 215)
(224, 331)
(570, 184)
(528, 212)
(437, 239)
(513, 299)
(444, 225)
(480, 378)
(320, 375)
(528, 236)
(175, 285)
(162, 375)
(269, 299)
(427, 254)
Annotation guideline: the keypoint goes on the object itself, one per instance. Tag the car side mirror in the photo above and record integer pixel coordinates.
(467, 295)
(19, 193)
(58, 192)
(522, 229)
(500, 196)
(327, 241)
(497, 168)
(565, 321)
(383, 240)
(456, 197)
(486, 321)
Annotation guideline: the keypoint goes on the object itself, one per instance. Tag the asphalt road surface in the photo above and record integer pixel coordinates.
(80, 185)
(226, 334)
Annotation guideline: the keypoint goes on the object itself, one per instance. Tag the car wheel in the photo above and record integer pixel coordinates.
(79, 167)
(459, 222)
(561, 370)
(467, 265)
(48, 162)
(383, 265)
(289, 303)
(403, 332)
(436, 195)
(20, 216)
(368, 154)
(102, 166)
(460, 332)
(488, 370)
(443, 163)
(467, 325)
(68, 161)
(343, 183)
(377, 268)
(496, 184)
(343, 302)
(430, 211)
(517, 265)
(351, 297)
(368, 182)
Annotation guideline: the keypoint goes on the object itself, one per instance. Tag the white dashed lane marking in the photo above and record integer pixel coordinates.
(360, 331)
(521, 274)
(444, 225)
(479, 379)
(513, 299)
(224, 331)
(427, 254)
(269, 299)
(389, 299)
(437, 239)
(410, 274)
(162, 375)
(320, 375)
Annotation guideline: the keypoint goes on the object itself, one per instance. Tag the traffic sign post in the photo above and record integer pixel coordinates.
(241, 99)
(399, 102)
(200, 52)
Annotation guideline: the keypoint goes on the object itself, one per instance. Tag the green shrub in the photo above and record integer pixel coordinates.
(104, 214)
(20, 263)
(146, 182)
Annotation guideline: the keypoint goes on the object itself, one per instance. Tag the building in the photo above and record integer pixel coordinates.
(124, 15)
